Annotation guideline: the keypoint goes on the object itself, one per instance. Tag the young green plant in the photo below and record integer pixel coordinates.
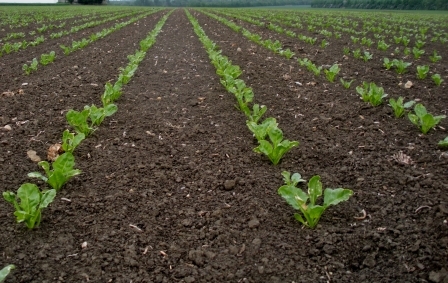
(276, 147)
(306, 202)
(422, 72)
(424, 120)
(63, 170)
(399, 107)
(32, 201)
(46, 59)
(437, 79)
(70, 141)
(31, 67)
(346, 84)
(371, 93)
(332, 72)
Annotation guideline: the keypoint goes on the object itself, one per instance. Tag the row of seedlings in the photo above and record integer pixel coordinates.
(275, 146)
(30, 200)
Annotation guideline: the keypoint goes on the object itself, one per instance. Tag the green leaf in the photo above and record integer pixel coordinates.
(275, 135)
(297, 178)
(314, 189)
(335, 196)
(10, 197)
(420, 110)
(428, 122)
(29, 195)
(313, 215)
(414, 119)
(5, 272)
(264, 147)
(299, 218)
(47, 198)
(294, 196)
(37, 175)
(409, 104)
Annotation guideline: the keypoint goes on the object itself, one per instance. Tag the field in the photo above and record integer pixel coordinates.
(171, 189)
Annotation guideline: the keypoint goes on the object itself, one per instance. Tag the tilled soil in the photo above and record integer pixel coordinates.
(171, 190)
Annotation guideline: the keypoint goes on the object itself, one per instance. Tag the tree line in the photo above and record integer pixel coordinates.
(383, 4)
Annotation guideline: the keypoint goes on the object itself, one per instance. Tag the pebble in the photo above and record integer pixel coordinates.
(7, 128)
(254, 223)
(229, 185)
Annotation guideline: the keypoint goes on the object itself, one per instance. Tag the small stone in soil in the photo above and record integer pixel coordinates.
(229, 185)
(254, 223)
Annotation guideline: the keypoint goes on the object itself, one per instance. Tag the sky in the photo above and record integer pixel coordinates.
(29, 1)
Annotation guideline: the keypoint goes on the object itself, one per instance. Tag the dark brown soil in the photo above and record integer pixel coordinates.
(171, 190)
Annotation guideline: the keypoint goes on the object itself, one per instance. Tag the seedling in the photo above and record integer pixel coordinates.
(260, 131)
(5, 272)
(422, 71)
(277, 147)
(79, 121)
(287, 53)
(332, 72)
(366, 41)
(407, 51)
(244, 95)
(419, 44)
(324, 43)
(111, 93)
(257, 112)
(357, 53)
(46, 59)
(367, 56)
(97, 115)
(437, 79)
(371, 93)
(443, 143)
(346, 84)
(66, 49)
(32, 201)
(399, 107)
(62, 171)
(70, 141)
(401, 66)
(306, 203)
(424, 120)
(417, 52)
(405, 40)
(31, 67)
(346, 50)
(387, 63)
(382, 45)
(435, 57)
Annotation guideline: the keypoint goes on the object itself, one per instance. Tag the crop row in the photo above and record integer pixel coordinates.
(30, 200)
(270, 139)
